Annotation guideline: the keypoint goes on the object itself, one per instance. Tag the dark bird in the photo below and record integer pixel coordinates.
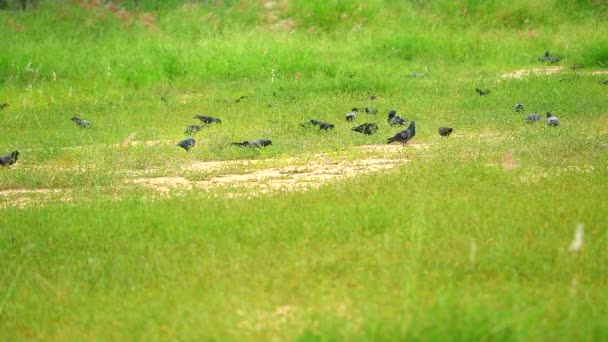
(445, 131)
(187, 144)
(366, 128)
(192, 129)
(547, 57)
(242, 97)
(482, 92)
(322, 125)
(3, 105)
(416, 74)
(518, 107)
(404, 136)
(552, 120)
(81, 122)
(394, 119)
(208, 119)
(373, 97)
(253, 143)
(351, 116)
(605, 82)
(9, 159)
(532, 118)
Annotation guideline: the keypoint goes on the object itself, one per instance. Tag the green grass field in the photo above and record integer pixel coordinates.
(114, 233)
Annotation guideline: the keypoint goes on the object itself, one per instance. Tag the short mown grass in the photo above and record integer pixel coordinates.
(467, 240)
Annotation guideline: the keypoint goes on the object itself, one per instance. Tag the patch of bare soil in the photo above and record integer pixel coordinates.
(521, 73)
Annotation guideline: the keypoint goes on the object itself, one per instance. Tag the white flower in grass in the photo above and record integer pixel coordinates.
(71, 92)
(577, 242)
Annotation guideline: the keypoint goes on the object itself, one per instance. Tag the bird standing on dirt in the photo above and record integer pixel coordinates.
(9, 159)
(518, 107)
(482, 92)
(404, 136)
(552, 120)
(532, 118)
(3, 105)
(394, 119)
(445, 131)
(81, 122)
(208, 119)
(366, 128)
(187, 144)
(253, 143)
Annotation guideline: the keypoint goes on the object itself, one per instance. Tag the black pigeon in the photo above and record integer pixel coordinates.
(552, 120)
(351, 116)
(532, 118)
(482, 92)
(192, 129)
(547, 57)
(81, 122)
(187, 144)
(3, 105)
(322, 125)
(404, 136)
(208, 119)
(366, 128)
(445, 131)
(253, 143)
(9, 159)
(518, 107)
(394, 119)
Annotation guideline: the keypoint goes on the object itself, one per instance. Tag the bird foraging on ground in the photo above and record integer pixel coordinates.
(394, 119)
(208, 119)
(253, 143)
(552, 120)
(351, 116)
(482, 92)
(518, 107)
(81, 122)
(404, 136)
(187, 144)
(9, 159)
(3, 105)
(547, 57)
(192, 129)
(366, 128)
(445, 131)
(532, 118)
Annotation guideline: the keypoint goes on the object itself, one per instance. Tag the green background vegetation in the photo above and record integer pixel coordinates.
(450, 246)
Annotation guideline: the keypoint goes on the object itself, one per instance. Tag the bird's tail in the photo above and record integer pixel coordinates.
(390, 140)
(244, 143)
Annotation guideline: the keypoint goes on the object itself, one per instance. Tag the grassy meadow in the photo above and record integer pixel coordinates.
(468, 238)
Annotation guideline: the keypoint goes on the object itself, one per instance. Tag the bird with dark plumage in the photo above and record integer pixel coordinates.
(552, 120)
(208, 119)
(322, 125)
(404, 136)
(81, 122)
(547, 57)
(518, 107)
(366, 128)
(192, 129)
(532, 118)
(3, 105)
(253, 143)
(187, 144)
(394, 119)
(482, 92)
(9, 159)
(445, 131)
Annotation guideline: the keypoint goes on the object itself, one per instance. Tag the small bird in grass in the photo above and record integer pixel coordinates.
(404, 136)
(322, 125)
(192, 129)
(605, 82)
(445, 131)
(351, 116)
(187, 144)
(518, 107)
(394, 119)
(366, 128)
(253, 143)
(482, 92)
(547, 57)
(532, 118)
(9, 159)
(81, 122)
(208, 119)
(552, 120)
(3, 105)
